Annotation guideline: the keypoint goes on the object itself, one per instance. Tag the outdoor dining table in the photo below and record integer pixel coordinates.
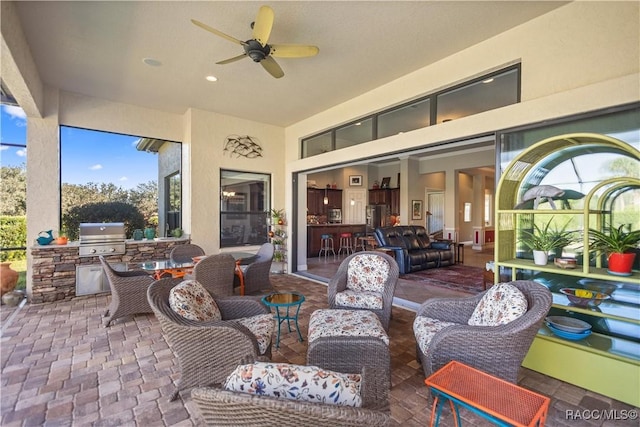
(160, 268)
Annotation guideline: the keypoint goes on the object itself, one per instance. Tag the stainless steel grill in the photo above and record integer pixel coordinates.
(102, 239)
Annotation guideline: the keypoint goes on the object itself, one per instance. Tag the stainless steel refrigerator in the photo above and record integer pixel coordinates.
(377, 216)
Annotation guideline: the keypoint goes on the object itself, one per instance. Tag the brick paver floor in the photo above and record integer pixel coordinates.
(61, 367)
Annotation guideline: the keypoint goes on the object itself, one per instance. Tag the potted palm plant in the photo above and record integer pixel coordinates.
(617, 245)
(541, 240)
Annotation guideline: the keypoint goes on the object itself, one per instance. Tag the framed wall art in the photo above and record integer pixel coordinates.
(355, 180)
(416, 209)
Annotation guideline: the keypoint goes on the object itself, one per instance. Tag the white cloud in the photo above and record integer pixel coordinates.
(14, 112)
(123, 178)
(21, 152)
(96, 167)
(4, 147)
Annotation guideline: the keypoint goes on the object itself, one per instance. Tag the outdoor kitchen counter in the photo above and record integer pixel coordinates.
(54, 267)
(314, 231)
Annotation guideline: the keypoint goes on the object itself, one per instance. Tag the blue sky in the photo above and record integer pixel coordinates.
(87, 156)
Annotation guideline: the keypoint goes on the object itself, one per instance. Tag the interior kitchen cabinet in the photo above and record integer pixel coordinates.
(315, 200)
(379, 196)
(608, 360)
(394, 201)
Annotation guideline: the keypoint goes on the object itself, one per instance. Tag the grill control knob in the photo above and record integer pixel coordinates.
(112, 249)
(92, 251)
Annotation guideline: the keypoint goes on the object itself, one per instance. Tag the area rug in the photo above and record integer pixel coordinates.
(458, 277)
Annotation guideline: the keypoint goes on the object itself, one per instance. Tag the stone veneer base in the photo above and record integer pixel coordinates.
(54, 267)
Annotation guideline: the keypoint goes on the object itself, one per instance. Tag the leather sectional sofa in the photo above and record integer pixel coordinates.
(413, 249)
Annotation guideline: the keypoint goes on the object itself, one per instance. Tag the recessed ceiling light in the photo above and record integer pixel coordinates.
(152, 62)
(212, 78)
(487, 80)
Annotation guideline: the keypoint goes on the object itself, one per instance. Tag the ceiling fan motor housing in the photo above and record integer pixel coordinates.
(256, 51)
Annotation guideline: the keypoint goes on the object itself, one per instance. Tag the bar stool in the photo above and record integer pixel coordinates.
(326, 245)
(345, 243)
(358, 241)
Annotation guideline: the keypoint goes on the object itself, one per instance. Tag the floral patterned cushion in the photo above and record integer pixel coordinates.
(501, 304)
(340, 323)
(424, 328)
(296, 382)
(367, 272)
(192, 301)
(359, 299)
(261, 326)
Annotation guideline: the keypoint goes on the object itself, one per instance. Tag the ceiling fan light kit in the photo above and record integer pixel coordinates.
(257, 48)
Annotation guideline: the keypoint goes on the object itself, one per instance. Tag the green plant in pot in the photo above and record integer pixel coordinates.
(277, 216)
(541, 240)
(562, 239)
(617, 246)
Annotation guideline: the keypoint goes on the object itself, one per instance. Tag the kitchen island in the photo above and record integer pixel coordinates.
(314, 231)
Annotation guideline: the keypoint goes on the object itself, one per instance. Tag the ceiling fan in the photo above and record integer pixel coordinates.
(257, 47)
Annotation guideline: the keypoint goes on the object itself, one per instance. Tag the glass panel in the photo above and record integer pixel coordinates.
(354, 134)
(405, 119)
(622, 125)
(243, 208)
(477, 97)
(316, 145)
(173, 195)
(113, 177)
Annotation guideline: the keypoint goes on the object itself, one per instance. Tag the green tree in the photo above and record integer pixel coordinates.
(145, 197)
(14, 190)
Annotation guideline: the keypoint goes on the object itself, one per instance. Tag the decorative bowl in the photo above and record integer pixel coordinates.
(584, 297)
(569, 335)
(565, 263)
(604, 286)
(568, 324)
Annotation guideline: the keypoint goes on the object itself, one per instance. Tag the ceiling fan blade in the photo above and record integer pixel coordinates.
(272, 67)
(218, 33)
(262, 25)
(230, 60)
(293, 50)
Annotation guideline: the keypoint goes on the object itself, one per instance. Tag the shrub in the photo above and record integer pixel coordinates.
(13, 234)
(102, 212)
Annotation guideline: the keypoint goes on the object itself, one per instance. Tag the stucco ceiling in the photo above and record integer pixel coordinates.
(97, 49)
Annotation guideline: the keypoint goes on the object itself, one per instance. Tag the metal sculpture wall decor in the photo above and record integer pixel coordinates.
(242, 146)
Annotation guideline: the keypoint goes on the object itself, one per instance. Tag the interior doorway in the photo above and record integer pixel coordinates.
(435, 209)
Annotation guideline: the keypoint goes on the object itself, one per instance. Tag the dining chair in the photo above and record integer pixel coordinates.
(128, 292)
(184, 253)
(254, 276)
(215, 273)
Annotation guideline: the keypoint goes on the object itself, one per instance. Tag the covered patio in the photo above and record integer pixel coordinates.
(61, 367)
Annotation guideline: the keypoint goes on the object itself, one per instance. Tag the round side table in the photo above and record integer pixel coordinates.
(289, 303)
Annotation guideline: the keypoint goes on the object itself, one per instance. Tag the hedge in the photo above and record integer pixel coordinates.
(13, 234)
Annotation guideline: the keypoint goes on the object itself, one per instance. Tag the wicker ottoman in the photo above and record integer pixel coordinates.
(347, 340)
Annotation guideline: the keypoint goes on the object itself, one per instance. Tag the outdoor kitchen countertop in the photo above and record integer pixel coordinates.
(76, 243)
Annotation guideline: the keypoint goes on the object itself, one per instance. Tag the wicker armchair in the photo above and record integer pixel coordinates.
(207, 351)
(497, 350)
(185, 253)
(339, 283)
(128, 292)
(215, 273)
(219, 407)
(255, 274)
